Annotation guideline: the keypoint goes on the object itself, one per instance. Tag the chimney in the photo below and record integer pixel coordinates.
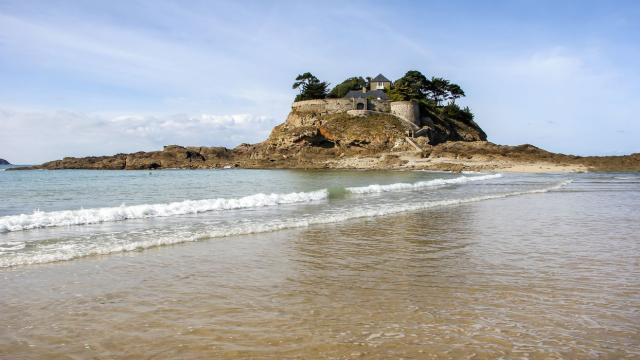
(364, 89)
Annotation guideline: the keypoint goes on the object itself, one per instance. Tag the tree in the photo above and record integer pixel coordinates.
(453, 111)
(412, 86)
(352, 83)
(310, 87)
(438, 89)
(455, 92)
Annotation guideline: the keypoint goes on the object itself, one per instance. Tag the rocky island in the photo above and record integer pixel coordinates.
(4, 162)
(373, 123)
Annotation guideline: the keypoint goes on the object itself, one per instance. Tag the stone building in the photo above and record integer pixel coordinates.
(379, 83)
(375, 89)
(372, 98)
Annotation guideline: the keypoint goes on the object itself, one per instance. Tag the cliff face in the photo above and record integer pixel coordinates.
(440, 130)
(366, 131)
(338, 133)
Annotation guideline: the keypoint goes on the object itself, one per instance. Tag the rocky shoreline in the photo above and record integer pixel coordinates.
(310, 140)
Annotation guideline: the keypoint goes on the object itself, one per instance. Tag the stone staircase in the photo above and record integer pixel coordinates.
(413, 143)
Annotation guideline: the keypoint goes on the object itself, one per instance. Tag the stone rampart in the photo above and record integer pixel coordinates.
(406, 110)
(334, 106)
(323, 106)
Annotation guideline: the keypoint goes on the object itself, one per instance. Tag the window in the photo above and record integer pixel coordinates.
(380, 85)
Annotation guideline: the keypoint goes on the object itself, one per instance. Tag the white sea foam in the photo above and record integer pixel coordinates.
(41, 219)
(69, 252)
(376, 188)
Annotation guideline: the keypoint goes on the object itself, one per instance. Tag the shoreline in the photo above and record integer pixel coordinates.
(453, 156)
(405, 163)
(315, 137)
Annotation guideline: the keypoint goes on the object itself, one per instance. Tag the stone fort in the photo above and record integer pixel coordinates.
(371, 99)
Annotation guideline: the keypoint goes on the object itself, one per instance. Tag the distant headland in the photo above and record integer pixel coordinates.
(366, 123)
(4, 162)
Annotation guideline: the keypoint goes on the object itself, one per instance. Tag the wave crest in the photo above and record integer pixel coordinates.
(90, 249)
(376, 188)
(41, 219)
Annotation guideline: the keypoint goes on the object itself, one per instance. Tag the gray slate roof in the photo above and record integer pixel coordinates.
(373, 93)
(380, 78)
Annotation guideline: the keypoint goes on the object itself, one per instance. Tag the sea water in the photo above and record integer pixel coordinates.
(318, 264)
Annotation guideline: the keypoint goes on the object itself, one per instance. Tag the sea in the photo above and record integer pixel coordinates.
(318, 264)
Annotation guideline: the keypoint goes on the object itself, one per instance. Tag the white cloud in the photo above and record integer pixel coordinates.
(38, 136)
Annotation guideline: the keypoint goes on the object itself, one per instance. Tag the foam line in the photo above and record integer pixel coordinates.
(41, 219)
(100, 248)
(376, 188)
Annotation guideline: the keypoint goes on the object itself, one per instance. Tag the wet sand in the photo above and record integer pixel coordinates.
(536, 276)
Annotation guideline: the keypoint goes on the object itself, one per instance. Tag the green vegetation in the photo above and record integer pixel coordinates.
(310, 87)
(412, 86)
(415, 86)
(430, 94)
(436, 96)
(455, 92)
(352, 83)
(453, 111)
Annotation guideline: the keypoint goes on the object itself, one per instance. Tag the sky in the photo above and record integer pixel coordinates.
(81, 78)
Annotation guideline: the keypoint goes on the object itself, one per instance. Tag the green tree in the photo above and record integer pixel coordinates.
(455, 92)
(438, 89)
(412, 86)
(352, 83)
(310, 87)
(453, 111)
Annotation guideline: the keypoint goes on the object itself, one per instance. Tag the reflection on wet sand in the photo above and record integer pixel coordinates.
(478, 279)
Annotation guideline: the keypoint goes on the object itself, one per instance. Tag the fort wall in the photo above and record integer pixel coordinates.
(323, 106)
(305, 112)
(334, 106)
(406, 110)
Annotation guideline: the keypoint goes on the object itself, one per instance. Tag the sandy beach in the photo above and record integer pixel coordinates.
(514, 266)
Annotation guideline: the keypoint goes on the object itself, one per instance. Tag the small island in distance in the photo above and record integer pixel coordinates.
(4, 162)
(366, 123)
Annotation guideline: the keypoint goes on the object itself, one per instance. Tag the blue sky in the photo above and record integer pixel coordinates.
(87, 78)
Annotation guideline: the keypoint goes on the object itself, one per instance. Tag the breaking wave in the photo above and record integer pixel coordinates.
(100, 248)
(41, 219)
(376, 188)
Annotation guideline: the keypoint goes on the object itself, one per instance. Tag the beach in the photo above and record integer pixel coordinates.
(383, 264)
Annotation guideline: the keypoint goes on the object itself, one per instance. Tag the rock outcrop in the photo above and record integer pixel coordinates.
(172, 156)
(362, 139)
(4, 162)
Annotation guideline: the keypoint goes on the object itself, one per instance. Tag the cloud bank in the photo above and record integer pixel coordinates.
(53, 135)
